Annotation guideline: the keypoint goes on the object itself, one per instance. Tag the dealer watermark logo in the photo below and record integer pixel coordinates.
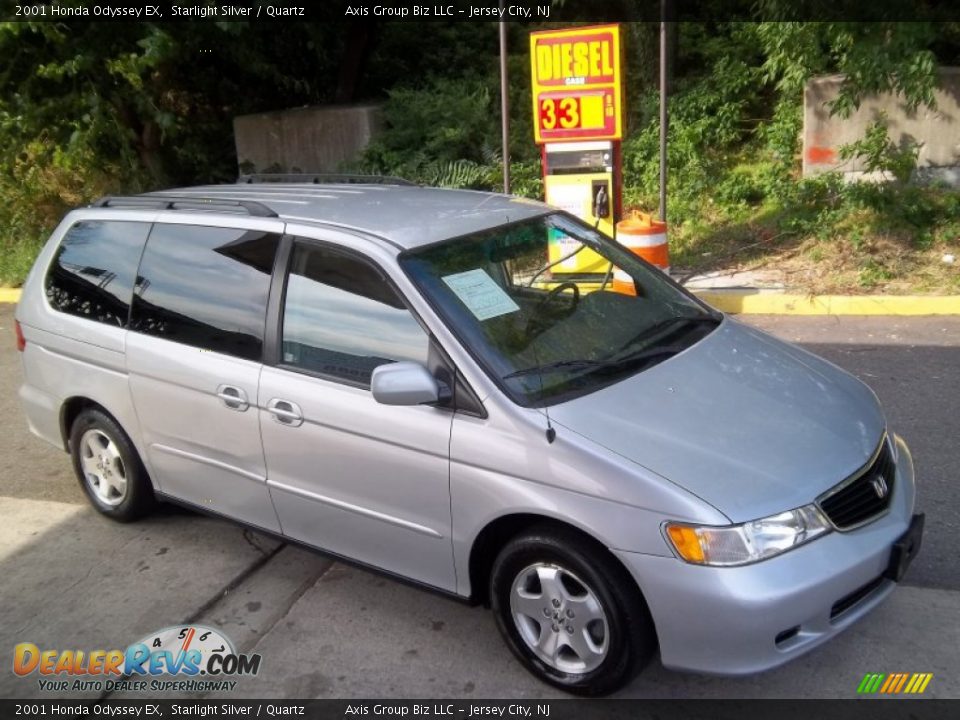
(894, 683)
(182, 658)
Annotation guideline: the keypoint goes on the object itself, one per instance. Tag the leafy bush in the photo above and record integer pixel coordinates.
(38, 186)
(448, 120)
(880, 154)
(447, 133)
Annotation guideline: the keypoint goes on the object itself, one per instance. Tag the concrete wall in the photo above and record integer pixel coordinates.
(311, 139)
(936, 132)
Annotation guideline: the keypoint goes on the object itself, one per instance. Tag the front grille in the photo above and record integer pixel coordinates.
(865, 495)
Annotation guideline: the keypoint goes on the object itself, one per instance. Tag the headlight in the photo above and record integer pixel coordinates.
(749, 542)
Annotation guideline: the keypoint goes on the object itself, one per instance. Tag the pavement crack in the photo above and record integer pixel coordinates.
(265, 557)
(284, 610)
(254, 541)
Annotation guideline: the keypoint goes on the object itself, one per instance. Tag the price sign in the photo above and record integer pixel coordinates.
(589, 111)
(576, 84)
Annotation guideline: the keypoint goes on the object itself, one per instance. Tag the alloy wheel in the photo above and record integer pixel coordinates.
(559, 618)
(103, 467)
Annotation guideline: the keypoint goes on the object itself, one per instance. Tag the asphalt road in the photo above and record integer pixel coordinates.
(72, 579)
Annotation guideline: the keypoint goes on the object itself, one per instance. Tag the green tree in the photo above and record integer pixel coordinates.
(874, 57)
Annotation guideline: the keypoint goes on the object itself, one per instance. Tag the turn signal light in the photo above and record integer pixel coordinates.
(21, 342)
(687, 543)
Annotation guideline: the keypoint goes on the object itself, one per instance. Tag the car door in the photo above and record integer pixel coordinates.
(194, 362)
(347, 474)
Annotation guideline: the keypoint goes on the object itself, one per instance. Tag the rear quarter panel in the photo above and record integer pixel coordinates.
(68, 356)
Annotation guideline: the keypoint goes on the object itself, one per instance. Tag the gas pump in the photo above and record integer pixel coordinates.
(578, 123)
(580, 177)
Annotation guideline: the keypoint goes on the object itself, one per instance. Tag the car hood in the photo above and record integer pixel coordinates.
(752, 425)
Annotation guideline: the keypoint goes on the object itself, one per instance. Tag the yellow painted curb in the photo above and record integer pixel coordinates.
(9, 295)
(773, 303)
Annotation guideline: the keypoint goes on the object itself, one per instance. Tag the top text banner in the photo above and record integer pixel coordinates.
(478, 11)
(575, 77)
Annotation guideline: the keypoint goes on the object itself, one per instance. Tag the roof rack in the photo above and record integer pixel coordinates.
(322, 179)
(173, 202)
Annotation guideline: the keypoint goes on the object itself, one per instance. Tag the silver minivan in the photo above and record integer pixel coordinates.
(409, 379)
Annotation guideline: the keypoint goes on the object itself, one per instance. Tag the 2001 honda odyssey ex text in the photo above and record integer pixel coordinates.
(403, 377)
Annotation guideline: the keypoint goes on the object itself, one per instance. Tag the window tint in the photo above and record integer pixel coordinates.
(92, 273)
(343, 319)
(206, 287)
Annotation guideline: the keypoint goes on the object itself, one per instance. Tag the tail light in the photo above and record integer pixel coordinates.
(21, 342)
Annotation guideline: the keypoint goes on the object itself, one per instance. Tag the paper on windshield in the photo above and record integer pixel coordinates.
(481, 294)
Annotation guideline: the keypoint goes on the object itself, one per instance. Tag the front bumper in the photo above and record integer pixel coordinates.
(741, 620)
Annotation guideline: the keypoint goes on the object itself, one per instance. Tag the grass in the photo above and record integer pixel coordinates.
(16, 259)
(849, 240)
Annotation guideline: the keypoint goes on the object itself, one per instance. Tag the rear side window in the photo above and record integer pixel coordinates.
(206, 287)
(92, 274)
(342, 319)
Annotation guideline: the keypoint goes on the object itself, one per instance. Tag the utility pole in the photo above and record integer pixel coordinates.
(504, 105)
(663, 110)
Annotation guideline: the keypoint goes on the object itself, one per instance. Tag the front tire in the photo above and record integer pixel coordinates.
(109, 468)
(570, 613)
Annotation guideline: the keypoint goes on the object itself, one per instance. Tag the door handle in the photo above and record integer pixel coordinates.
(285, 412)
(233, 397)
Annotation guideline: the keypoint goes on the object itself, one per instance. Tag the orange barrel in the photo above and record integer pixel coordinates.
(645, 237)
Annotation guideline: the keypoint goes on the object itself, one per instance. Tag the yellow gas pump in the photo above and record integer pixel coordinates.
(579, 177)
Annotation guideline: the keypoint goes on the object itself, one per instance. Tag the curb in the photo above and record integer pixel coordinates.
(9, 295)
(758, 302)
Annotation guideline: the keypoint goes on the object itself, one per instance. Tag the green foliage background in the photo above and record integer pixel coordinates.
(92, 108)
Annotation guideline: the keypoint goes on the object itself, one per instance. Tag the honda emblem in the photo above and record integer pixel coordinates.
(879, 486)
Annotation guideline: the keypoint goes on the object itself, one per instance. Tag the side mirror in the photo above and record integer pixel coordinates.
(404, 383)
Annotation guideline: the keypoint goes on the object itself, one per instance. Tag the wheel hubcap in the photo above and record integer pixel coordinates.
(559, 618)
(103, 467)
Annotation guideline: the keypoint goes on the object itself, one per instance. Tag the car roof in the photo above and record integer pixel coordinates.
(408, 216)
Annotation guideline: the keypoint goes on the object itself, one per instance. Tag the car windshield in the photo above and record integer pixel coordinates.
(553, 309)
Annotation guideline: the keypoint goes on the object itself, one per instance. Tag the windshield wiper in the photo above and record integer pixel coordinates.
(666, 323)
(607, 364)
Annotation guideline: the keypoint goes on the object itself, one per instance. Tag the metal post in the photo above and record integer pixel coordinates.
(504, 106)
(663, 110)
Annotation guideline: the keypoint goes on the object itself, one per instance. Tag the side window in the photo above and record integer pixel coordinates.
(92, 274)
(342, 319)
(206, 287)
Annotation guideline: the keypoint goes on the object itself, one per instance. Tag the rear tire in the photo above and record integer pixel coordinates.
(109, 468)
(570, 613)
